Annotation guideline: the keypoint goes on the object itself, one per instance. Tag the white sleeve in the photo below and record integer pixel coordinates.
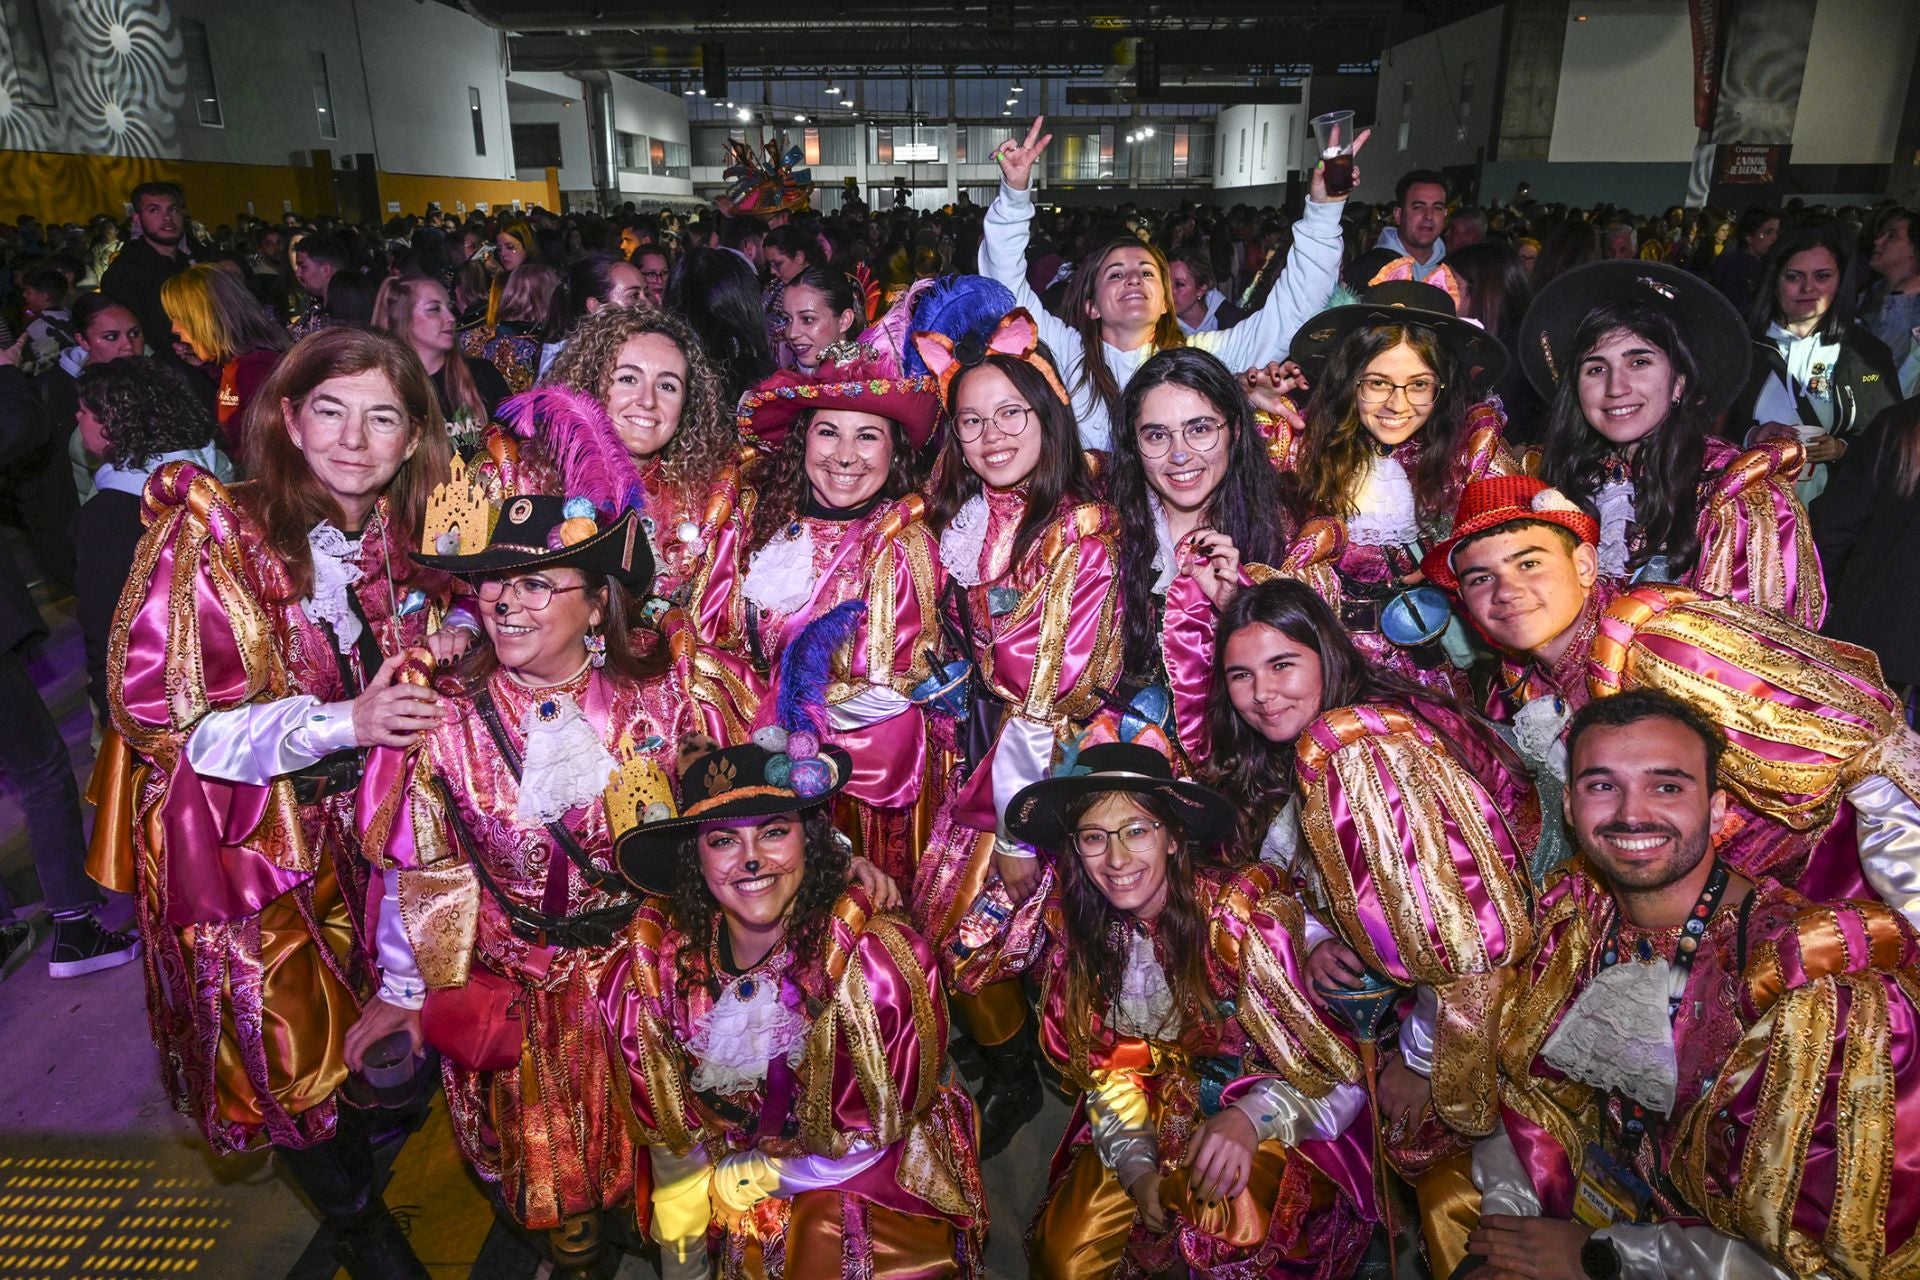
(1312, 270)
(261, 741)
(1417, 1030)
(1656, 1250)
(1887, 830)
(869, 706)
(1003, 257)
(400, 981)
(1281, 1113)
(1503, 1182)
(1909, 370)
(1022, 755)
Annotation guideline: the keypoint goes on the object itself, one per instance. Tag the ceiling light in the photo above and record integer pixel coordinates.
(745, 115)
(799, 119)
(703, 93)
(1018, 89)
(1007, 111)
(1147, 132)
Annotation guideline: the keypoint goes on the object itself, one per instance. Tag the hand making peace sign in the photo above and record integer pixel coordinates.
(1017, 158)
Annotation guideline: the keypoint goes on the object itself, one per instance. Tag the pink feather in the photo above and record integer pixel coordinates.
(577, 434)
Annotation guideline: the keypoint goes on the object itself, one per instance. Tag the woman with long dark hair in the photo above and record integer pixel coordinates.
(590, 282)
(821, 310)
(258, 639)
(782, 1038)
(1819, 375)
(494, 815)
(1220, 1128)
(832, 553)
(1029, 608)
(718, 293)
(1119, 304)
(1394, 811)
(1637, 361)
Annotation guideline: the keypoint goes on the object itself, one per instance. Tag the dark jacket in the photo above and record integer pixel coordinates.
(35, 476)
(1869, 541)
(105, 535)
(1866, 384)
(135, 277)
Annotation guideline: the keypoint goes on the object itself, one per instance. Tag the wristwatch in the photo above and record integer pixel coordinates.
(1600, 1260)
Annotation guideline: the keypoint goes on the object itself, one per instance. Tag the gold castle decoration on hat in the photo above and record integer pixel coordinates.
(459, 518)
(638, 790)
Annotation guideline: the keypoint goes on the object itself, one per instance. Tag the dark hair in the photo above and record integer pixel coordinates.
(717, 292)
(1097, 942)
(1258, 775)
(838, 288)
(1496, 280)
(1077, 306)
(142, 410)
(350, 297)
(790, 239)
(809, 921)
(1420, 177)
(1567, 537)
(737, 230)
(88, 307)
(1337, 446)
(146, 189)
(1635, 705)
(1569, 245)
(1752, 218)
(1666, 467)
(1245, 506)
(1764, 309)
(1061, 474)
(632, 655)
(779, 479)
(322, 247)
(588, 277)
(45, 277)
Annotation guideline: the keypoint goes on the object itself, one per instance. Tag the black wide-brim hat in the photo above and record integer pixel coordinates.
(733, 784)
(1479, 355)
(528, 536)
(1717, 336)
(1038, 814)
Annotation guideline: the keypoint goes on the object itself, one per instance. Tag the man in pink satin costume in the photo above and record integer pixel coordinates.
(1822, 774)
(1707, 1073)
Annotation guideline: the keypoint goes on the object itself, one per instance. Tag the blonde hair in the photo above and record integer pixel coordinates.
(211, 308)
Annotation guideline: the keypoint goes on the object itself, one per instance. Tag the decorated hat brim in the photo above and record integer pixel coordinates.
(648, 856)
(1721, 345)
(1477, 352)
(620, 551)
(1037, 815)
(768, 413)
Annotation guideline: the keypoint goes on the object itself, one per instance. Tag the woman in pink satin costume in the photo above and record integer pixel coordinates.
(630, 415)
(253, 657)
(1392, 434)
(833, 565)
(781, 1037)
(496, 851)
(1639, 362)
(1221, 1129)
(1407, 825)
(1029, 607)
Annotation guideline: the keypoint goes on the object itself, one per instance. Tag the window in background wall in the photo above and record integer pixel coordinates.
(536, 146)
(656, 155)
(840, 146)
(1466, 102)
(27, 42)
(479, 121)
(1293, 144)
(206, 94)
(632, 152)
(322, 94)
(679, 162)
(1406, 111)
(1200, 144)
(1264, 124)
(1243, 153)
(710, 146)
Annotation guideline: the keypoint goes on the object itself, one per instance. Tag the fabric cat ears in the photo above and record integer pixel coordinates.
(1016, 335)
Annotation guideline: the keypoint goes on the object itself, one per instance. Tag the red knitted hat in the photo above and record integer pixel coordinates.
(1488, 504)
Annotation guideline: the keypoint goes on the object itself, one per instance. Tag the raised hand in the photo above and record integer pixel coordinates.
(1017, 159)
(1318, 191)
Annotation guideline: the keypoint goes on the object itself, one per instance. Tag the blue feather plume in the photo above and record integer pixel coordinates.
(958, 307)
(808, 663)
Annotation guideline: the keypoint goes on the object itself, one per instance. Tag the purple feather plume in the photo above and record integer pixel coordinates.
(808, 663)
(577, 434)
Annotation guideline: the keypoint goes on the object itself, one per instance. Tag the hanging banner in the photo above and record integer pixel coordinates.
(1708, 18)
(1742, 165)
(1758, 93)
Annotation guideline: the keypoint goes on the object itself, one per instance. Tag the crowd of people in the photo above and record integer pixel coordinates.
(1404, 714)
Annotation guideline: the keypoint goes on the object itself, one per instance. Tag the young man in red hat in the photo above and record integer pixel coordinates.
(1822, 773)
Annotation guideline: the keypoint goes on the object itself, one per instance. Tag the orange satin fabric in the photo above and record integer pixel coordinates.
(995, 1015)
(305, 1012)
(114, 792)
(1082, 1230)
(905, 1246)
(1449, 1211)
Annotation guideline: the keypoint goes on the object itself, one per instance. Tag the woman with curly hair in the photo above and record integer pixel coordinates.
(134, 417)
(489, 825)
(229, 335)
(782, 1037)
(1215, 1133)
(630, 415)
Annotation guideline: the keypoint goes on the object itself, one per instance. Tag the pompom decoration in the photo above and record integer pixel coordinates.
(580, 508)
(772, 738)
(810, 777)
(577, 529)
(803, 744)
(555, 542)
(657, 812)
(688, 532)
(958, 307)
(779, 771)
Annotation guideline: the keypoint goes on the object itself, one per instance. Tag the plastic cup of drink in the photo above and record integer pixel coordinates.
(390, 1068)
(1333, 133)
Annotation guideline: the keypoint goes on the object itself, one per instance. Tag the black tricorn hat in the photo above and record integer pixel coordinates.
(1038, 814)
(529, 535)
(1478, 353)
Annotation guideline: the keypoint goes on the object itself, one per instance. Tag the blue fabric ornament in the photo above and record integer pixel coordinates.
(960, 308)
(810, 777)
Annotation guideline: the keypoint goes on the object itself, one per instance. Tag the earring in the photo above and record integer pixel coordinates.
(597, 648)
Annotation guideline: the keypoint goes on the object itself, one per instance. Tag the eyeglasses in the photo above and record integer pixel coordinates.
(533, 594)
(1421, 392)
(1135, 837)
(1010, 418)
(1199, 436)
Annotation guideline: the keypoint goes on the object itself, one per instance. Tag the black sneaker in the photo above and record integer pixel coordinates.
(16, 944)
(81, 946)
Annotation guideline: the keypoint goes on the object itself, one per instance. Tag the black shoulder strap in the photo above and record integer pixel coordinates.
(606, 881)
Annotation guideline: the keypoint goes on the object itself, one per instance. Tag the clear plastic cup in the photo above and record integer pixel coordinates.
(1333, 132)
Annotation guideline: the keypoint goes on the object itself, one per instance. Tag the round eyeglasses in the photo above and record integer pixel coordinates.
(1134, 837)
(1200, 435)
(1376, 390)
(1011, 419)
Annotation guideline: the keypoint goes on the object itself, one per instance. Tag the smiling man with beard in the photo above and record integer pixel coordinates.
(1706, 1074)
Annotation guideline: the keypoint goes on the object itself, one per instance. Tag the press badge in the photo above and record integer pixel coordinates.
(1609, 1191)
